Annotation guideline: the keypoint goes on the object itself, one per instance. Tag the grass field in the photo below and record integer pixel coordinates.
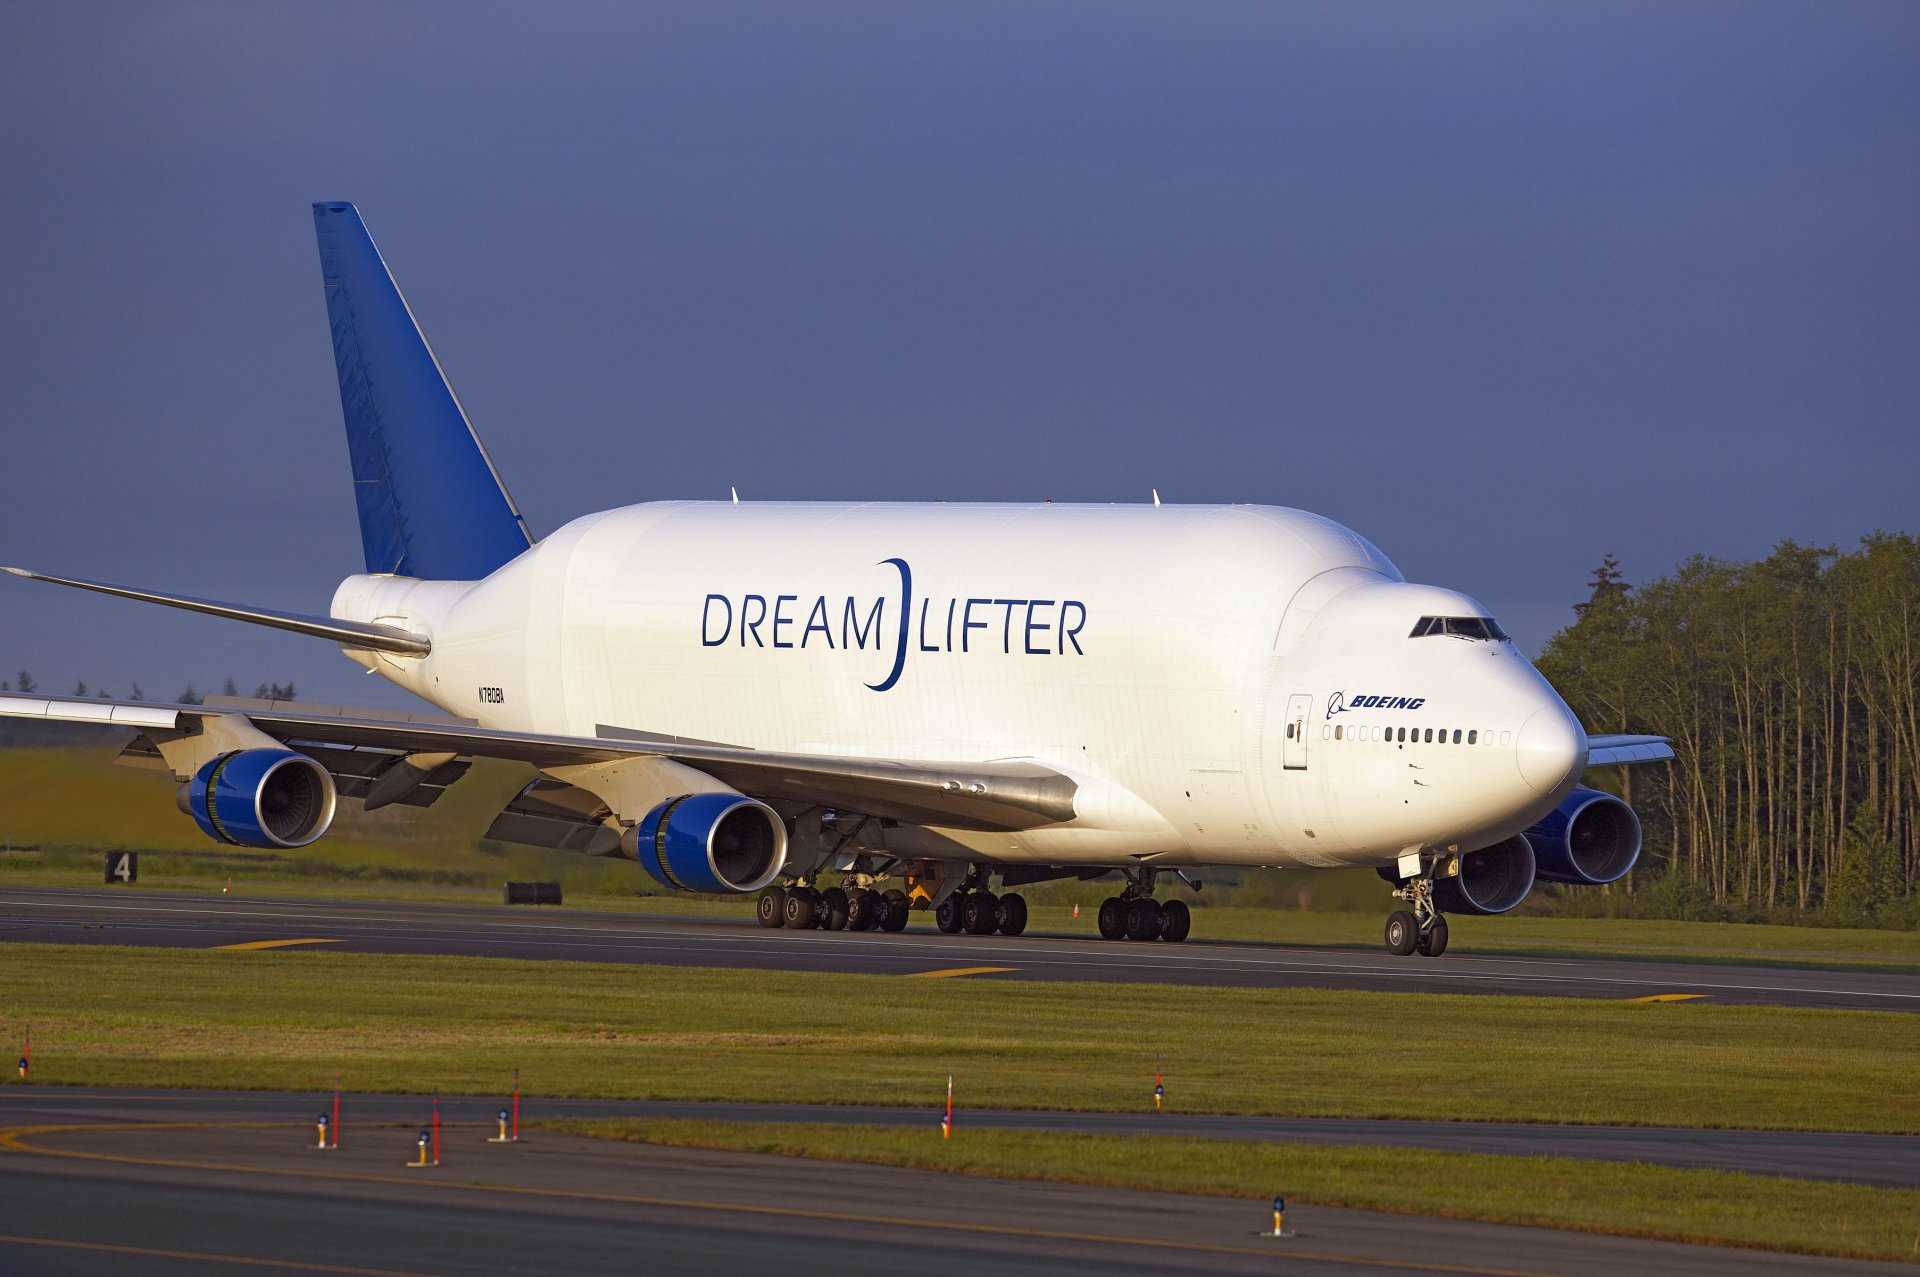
(1605, 1197)
(289, 1019)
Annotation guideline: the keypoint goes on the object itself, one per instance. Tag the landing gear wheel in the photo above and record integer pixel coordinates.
(1143, 919)
(1433, 941)
(1403, 933)
(803, 909)
(1175, 921)
(1012, 919)
(864, 909)
(1113, 918)
(947, 916)
(980, 913)
(771, 907)
(897, 909)
(833, 909)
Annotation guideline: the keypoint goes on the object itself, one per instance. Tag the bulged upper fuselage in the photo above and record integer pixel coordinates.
(1229, 684)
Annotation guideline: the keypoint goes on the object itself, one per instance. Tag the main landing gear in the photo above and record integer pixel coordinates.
(803, 908)
(1420, 930)
(978, 912)
(1135, 915)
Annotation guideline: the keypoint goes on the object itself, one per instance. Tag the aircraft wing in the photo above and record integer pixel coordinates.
(1009, 794)
(1618, 751)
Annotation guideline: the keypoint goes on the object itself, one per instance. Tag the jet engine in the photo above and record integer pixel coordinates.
(716, 842)
(1491, 880)
(260, 798)
(1589, 839)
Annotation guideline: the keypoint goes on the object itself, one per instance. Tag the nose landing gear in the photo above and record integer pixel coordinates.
(1422, 930)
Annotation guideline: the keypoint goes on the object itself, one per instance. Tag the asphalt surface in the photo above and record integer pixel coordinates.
(124, 915)
(1890, 1161)
(199, 1186)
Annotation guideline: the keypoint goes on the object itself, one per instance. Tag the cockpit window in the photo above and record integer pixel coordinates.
(1480, 628)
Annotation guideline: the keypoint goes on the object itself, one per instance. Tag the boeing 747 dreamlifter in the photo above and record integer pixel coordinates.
(934, 704)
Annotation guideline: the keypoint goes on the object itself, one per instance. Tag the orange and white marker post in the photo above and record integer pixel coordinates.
(436, 1128)
(1076, 908)
(336, 1110)
(503, 1137)
(1159, 1091)
(946, 1123)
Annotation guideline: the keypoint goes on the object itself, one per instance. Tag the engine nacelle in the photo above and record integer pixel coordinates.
(1589, 839)
(260, 798)
(1491, 880)
(721, 842)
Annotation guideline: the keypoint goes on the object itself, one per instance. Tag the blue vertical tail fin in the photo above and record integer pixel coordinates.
(431, 504)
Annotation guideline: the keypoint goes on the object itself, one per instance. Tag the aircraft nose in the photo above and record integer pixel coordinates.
(1551, 749)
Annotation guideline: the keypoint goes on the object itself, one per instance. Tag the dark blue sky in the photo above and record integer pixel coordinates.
(1502, 286)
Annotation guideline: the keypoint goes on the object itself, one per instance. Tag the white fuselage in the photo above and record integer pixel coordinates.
(1227, 683)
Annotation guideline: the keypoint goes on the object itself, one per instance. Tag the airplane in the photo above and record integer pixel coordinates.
(934, 704)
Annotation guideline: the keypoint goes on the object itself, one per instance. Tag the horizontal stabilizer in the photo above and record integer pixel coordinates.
(379, 638)
(1624, 751)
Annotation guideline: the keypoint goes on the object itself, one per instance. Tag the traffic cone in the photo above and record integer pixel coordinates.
(228, 889)
(1076, 908)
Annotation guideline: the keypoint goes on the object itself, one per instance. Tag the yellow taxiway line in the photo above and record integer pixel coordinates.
(204, 1257)
(1668, 997)
(946, 972)
(275, 944)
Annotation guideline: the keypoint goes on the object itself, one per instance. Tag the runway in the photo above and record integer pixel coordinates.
(204, 1182)
(1888, 1161)
(125, 916)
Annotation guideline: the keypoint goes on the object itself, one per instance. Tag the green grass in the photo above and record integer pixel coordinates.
(1603, 1197)
(291, 1019)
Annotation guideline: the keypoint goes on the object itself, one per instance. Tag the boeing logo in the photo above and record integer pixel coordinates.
(1339, 704)
(848, 622)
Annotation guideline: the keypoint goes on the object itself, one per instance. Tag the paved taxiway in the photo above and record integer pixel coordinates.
(125, 915)
(1891, 1161)
(194, 1186)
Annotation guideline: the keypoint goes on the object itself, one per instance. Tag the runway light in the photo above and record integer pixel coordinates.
(1279, 1218)
(423, 1151)
(501, 1138)
(946, 1123)
(1159, 1091)
(323, 1132)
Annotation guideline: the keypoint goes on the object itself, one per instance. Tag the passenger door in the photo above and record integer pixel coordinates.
(1293, 752)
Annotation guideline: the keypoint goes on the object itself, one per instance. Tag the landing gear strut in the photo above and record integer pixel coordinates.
(1135, 915)
(1422, 930)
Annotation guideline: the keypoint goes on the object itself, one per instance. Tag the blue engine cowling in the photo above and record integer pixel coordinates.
(260, 798)
(1491, 880)
(1589, 839)
(711, 842)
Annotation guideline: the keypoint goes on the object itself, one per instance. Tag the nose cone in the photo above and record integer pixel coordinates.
(1551, 749)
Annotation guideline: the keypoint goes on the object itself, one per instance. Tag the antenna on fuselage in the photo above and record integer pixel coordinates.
(736, 495)
(1156, 496)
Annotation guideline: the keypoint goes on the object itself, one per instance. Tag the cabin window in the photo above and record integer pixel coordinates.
(1473, 738)
(1456, 735)
(1336, 733)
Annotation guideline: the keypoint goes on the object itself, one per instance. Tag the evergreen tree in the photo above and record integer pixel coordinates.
(191, 697)
(24, 681)
(1607, 584)
(80, 688)
(230, 689)
(136, 694)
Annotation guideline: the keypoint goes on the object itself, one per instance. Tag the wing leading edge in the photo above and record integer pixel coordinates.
(1619, 751)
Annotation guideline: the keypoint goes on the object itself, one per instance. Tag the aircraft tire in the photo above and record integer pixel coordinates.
(1176, 920)
(865, 910)
(803, 909)
(833, 909)
(897, 910)
(1143, 919)
(947, 916)
(980, 913)
(1434, 942)
(771, 908)
(1012, 914)
(1403, 933)
(1113, 918)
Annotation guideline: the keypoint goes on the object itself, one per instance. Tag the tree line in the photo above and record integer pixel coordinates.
(24, 682)
(1791, 689)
